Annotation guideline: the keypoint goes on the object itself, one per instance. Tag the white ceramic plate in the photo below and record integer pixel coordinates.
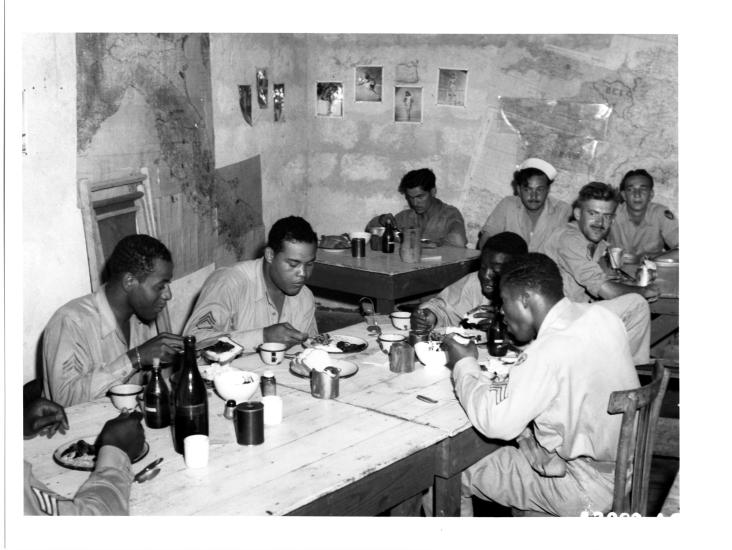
(346, 368)
(360, 344)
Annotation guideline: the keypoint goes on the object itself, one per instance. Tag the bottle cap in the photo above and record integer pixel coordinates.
(231, 403)
(268, 374)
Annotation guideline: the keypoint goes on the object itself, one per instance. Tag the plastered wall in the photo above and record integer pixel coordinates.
(356, 162)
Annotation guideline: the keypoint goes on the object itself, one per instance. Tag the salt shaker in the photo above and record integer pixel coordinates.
(229, 409)
(267, 383)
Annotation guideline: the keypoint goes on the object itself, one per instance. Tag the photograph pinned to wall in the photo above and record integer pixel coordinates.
(329, 97)
(278, 93)
(407, 104)
(452, 87)
(262, 88)
(245, 102)
(368, 83)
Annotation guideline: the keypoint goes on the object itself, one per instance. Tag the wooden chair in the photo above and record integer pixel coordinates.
(640, 408)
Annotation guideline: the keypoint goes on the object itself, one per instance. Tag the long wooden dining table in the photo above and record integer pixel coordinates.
(368, 451)
(386, 278)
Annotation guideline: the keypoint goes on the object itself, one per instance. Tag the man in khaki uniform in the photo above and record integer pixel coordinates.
(554, 402)
(531, 212)
(642, 227)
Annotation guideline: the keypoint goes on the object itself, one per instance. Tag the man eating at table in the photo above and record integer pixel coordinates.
(530, 212)
(97, 341)
(439, 223)
(107, 490)
(554, 402)
(262, 300)
(579, 247)
(475, 290)
(642, 227)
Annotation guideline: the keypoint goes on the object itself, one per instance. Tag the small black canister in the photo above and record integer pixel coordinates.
(268, 384)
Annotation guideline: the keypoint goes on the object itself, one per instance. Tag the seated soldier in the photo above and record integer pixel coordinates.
(263, 300)
(642, 227)
(555, 400)
(531, 212)
(438, 222)
(578, 248)
(475, 289)
(107, 490)
(97, 341)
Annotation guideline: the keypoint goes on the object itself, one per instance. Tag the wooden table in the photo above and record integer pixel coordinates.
(376, 388)
(386, 278)
(664, 310)
(367, 451)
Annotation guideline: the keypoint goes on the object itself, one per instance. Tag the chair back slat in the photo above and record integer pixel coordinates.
(640, 408)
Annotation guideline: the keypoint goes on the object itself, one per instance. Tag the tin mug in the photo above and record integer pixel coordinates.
(324, 383)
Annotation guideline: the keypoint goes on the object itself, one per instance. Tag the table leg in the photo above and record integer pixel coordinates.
(447, 496)
(409, 507)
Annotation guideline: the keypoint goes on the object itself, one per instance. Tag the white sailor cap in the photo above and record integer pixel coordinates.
(539, 164)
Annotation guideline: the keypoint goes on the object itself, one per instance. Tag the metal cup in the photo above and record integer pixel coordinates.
(324, 384)
(401, 357)
(418, 335)
(249, 423)
(358, 247)
(616, 257)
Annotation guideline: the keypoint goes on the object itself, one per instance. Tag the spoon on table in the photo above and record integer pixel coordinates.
(148, 472)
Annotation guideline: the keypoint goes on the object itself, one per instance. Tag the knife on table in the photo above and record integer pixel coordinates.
(147, 468)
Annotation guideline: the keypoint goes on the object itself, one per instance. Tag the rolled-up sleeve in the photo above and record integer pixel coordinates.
(450, 305)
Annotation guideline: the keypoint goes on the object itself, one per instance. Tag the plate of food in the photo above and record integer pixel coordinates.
(82, 455)
(221, 350)
(476, 335)
(318, 360)
(336, 343)
(335, 243)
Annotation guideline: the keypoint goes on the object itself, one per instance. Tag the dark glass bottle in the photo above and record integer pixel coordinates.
(388, 238)
(157, 399)
(497, 337)
(191, 399)
(268, 383)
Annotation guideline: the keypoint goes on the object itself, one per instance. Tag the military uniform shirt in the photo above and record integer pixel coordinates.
(105, 492)
(234, 301)
(84, 351)
(451, 305)
(659, 227)
(511, 215)
(441, 224)
(582, 275)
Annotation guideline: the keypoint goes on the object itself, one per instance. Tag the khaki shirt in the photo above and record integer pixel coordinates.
(561, 384)
(105, 492)
(659, 227)
(84, 351)
(511, 215)
(234, 301)
(451, 305)
(581, 272)
(442, 223)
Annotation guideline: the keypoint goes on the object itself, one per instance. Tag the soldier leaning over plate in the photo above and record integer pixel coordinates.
(262, 300)
(554, 403)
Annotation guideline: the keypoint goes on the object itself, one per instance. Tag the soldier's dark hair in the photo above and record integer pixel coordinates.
(533, 271)
(596, 190)
(424, 178)
(135, 254)
(506, 243)
(293, 229)
(521, 178)
(639, 172)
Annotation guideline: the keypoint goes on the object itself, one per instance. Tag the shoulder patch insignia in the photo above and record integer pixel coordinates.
(668, 214)
(207, 322)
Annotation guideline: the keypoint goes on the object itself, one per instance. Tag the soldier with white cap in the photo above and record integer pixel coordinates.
(530, 212)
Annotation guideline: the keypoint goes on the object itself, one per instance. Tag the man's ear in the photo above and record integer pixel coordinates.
(433, 191)
(576, 212)
(525, 298)
(129, 281)
(268, 254)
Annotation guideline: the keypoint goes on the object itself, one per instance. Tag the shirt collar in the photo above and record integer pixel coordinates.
(108, 321)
